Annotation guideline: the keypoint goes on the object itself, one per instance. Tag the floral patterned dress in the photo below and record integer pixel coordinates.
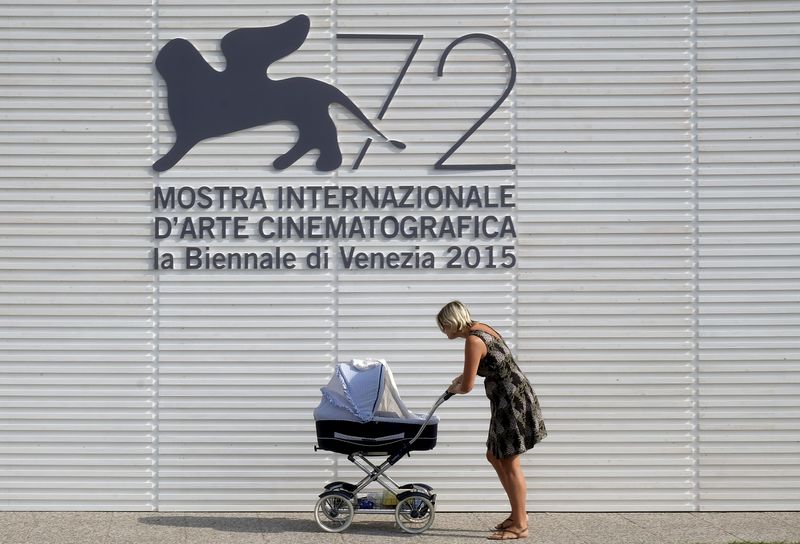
(516, 422)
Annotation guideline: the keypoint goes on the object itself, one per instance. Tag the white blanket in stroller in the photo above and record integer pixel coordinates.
(364, 390)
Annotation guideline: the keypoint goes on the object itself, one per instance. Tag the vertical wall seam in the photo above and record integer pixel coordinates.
(694, 160)
(514, 178)
(156, 274)
(335, 252)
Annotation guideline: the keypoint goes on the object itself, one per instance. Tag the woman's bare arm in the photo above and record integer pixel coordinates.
(473, 352)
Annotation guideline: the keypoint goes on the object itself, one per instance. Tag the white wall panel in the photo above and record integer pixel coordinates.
(748, 108)
(76, 292)
(392, 314)
(605, 288)
(242, 354)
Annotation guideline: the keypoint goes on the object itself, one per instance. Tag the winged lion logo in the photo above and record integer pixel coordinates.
(204, 103)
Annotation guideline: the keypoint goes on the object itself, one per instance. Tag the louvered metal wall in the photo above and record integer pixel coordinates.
(605, 287)
(77, 350)
(654, 305)
(748, 241)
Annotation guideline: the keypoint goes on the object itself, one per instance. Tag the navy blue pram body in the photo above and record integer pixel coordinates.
(361, 412)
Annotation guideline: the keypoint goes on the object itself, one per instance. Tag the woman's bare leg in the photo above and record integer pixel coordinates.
(501, 473)
(516, 491)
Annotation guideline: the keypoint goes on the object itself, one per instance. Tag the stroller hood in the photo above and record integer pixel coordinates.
(364, 390)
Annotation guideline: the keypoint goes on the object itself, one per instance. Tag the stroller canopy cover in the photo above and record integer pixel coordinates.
(364, 390)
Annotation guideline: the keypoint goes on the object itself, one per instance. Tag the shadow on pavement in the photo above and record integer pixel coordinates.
(254, 524)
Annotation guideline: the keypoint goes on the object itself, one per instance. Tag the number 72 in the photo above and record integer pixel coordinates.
(417, 39)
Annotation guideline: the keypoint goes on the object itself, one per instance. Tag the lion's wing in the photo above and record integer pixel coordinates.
(254, 49)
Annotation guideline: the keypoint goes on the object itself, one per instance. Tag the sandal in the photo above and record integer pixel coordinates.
(505, 523)
(501, 534)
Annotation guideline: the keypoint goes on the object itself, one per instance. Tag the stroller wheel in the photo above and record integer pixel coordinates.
(334, 511)
(415, 512)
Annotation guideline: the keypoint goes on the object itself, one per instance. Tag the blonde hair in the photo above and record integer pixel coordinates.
(454, 315)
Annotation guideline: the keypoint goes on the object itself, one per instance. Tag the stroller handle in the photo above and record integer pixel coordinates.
(446, 395)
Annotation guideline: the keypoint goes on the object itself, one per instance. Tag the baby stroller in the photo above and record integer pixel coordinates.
(361, 414)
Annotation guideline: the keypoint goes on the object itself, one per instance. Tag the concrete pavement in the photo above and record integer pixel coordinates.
(300, 527)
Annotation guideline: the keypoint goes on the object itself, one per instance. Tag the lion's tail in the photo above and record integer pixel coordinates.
(344, 100)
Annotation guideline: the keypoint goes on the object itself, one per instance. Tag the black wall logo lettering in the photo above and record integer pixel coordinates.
(204, 103)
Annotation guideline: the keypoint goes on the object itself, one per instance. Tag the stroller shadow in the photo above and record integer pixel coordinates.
(272, 525)
(235, 524)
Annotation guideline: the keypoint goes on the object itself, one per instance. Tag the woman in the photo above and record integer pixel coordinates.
(516, 420)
